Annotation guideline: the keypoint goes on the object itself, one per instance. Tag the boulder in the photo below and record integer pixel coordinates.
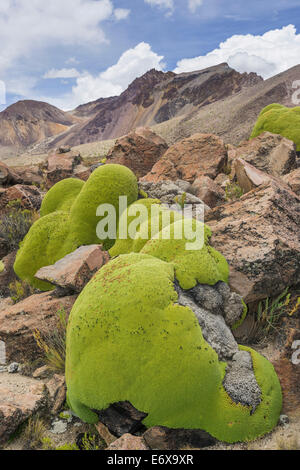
(18, 324)
(20, 398)
(208, 191)
(270, 153)
(161, 438)
(293, 180)
(60, 166)
(247, 176)
(57, 393)
(28, 197)
(173, 193)
(75, 270)
(82, 172)
(259, 236)
(139, 150)
(8, 177)
(128, 442)
(32, 175)
(198, 155)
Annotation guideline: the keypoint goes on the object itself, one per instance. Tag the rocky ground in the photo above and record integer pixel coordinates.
(251, 201)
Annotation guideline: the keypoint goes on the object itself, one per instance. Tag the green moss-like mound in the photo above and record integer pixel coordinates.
(61, 196)
(59, 233)
(203, 265)
(278, 119)
(42, 246)
(128, 340)
(152, 218)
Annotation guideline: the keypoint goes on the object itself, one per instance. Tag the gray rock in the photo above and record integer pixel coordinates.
(13, 368)
(3, 369)
(214, 329)
(284, 420)
(240, 382)
(208, 298)
(233, 308)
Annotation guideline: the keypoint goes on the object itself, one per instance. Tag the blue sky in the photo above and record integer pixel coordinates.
(73, 51)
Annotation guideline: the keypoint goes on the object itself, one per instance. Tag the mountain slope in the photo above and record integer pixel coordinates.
(154, 98)
(27, 122)
(233, 117)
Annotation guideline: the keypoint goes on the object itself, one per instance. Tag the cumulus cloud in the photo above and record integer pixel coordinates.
(121, 13)
(269, 54)
(194, 4)
(62, 73)
(114, 80)
(26, 26)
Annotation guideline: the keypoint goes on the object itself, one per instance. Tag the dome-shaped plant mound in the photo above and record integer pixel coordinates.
(61, 196)
(130, 339)
(278, 119)
(61, 232)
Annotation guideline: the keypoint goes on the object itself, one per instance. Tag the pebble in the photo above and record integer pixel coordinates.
(284, 420)
(13, 368)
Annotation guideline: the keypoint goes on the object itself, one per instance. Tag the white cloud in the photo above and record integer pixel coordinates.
(194, 4)
(167, 4)
(62, 73)
(113, 81)
(26, 26)
(121, 13)
(269, 54)
(72, 61)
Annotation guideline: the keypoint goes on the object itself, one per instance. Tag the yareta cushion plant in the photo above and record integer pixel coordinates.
(130, 339)
(61, 196)
(60, 232)
(278, 119)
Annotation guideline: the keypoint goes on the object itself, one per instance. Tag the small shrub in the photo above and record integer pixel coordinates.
(233, 191)
(20, 290)
(53, 344)
(16, 224)
(268, 316)
(34, 432)
(180, 200)
(2, 267)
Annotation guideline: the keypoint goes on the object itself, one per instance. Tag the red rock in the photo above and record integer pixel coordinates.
(139, 150)
(259, 236)
(128, 442)
(60, 166)
(105, 434)
(57, 393)
(28, 197)
(247, 176)
(270, 153)
(18, 324)
(208, 191)
(293, 180)
(75, 270)
(32, 175)
(198, 155)
(8, 177)
(20, 398)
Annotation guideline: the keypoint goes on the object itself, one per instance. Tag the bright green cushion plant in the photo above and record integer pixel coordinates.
(59, 233)
(128, 339)
(61, 196)
(278, 119)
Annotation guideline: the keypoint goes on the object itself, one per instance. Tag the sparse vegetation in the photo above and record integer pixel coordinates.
(15, 224)
(20, 290)
(53, 344)
(34, 432)
(180, 200)
(269, 313)
(233, 191)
